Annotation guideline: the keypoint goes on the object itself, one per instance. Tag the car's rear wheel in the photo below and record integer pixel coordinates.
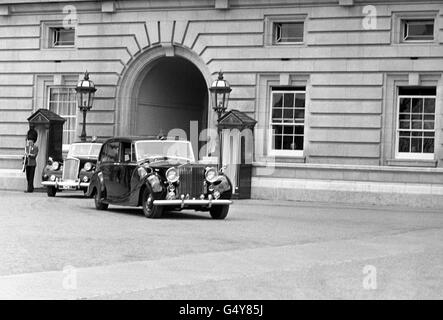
(219, 212)
(98, 200)
(149, 209)
(51, 191)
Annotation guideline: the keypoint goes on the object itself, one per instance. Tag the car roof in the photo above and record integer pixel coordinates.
(140, 138)
(87, 142)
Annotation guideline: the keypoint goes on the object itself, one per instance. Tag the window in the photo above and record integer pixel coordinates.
(127, 152)
(288, 32)
(285, 29)
(110, 152)
(416, 123)
(418, 30)
(287, 121)
(61, 37)
(63, 102)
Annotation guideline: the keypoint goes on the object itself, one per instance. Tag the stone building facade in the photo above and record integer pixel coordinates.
(352, 89)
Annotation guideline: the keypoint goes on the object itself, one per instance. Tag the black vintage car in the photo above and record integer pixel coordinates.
(158, 174)
(75, 172)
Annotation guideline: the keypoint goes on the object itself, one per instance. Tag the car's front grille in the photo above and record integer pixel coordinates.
(70, 169)
(192, 178)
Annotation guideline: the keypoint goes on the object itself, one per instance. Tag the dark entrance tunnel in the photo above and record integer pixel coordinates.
(172, 94)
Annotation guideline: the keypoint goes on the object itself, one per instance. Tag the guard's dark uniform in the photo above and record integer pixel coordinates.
(32, 152)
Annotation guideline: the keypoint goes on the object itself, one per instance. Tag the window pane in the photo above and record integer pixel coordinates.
(403, 145)
(288, 32)
(277, 100)
(292, 32)
(300, 100)
(404, 116)
(417, 125)
(289, 100)
(428, 125)
(288, 114)
(63, 37)
(405, 105)
(278, 142)
(288, 130)
(277, 115)
(429, 105)
(288, 143)
(277, 129)
(299, 129)
(405, 125)
(416, 144)
(428, 145)
(419, 30)
(299, 113)
(417, 105)
(429, 117)
(299, 143)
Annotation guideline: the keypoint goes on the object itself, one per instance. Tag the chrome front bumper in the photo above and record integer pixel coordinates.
(66, 184)
(184, 203)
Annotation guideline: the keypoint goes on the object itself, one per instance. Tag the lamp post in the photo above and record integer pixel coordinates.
(85, 96)
(220, 90)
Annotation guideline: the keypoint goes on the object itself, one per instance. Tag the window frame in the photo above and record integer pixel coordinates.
(286, 153)
(46, 35)
(271, 20)
(414, 155)
(398, 26)
(65, 146)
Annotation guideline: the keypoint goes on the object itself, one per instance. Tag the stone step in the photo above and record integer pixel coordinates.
(417, 195)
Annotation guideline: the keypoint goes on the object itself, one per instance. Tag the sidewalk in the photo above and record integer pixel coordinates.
(12, 179)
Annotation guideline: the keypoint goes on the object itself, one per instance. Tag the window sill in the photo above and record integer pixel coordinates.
(412, 163)
(283, 159)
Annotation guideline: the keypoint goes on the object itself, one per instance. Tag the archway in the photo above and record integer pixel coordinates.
(172, 94)
(163, 88)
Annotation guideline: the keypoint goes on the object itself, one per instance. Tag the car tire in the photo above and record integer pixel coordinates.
(149, 210)
(219, 212)
(99, 204)
(51, 191)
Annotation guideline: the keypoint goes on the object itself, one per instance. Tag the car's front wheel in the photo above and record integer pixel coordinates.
(98, 200)
(219, 212)
(149, 209)
(51, 191)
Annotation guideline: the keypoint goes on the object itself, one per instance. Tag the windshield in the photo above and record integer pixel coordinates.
(181, 150)
(84, 150)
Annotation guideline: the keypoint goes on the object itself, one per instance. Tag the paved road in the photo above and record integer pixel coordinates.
(63, 248)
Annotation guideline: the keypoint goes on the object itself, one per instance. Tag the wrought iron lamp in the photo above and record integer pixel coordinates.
(85, 96)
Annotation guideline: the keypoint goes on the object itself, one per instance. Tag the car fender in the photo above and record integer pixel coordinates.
(154, 184)
(96, 182)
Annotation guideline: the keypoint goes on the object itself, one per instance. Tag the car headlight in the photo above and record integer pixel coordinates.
(55, 165)
(88, 166)
(172, 175)
(211, 175)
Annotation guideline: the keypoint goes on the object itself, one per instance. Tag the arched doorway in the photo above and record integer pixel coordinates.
(164, 87)
(171, 95)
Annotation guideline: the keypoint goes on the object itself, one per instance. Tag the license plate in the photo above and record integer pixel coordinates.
(68, 188)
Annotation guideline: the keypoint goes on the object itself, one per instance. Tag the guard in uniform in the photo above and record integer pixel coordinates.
(31, 155)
